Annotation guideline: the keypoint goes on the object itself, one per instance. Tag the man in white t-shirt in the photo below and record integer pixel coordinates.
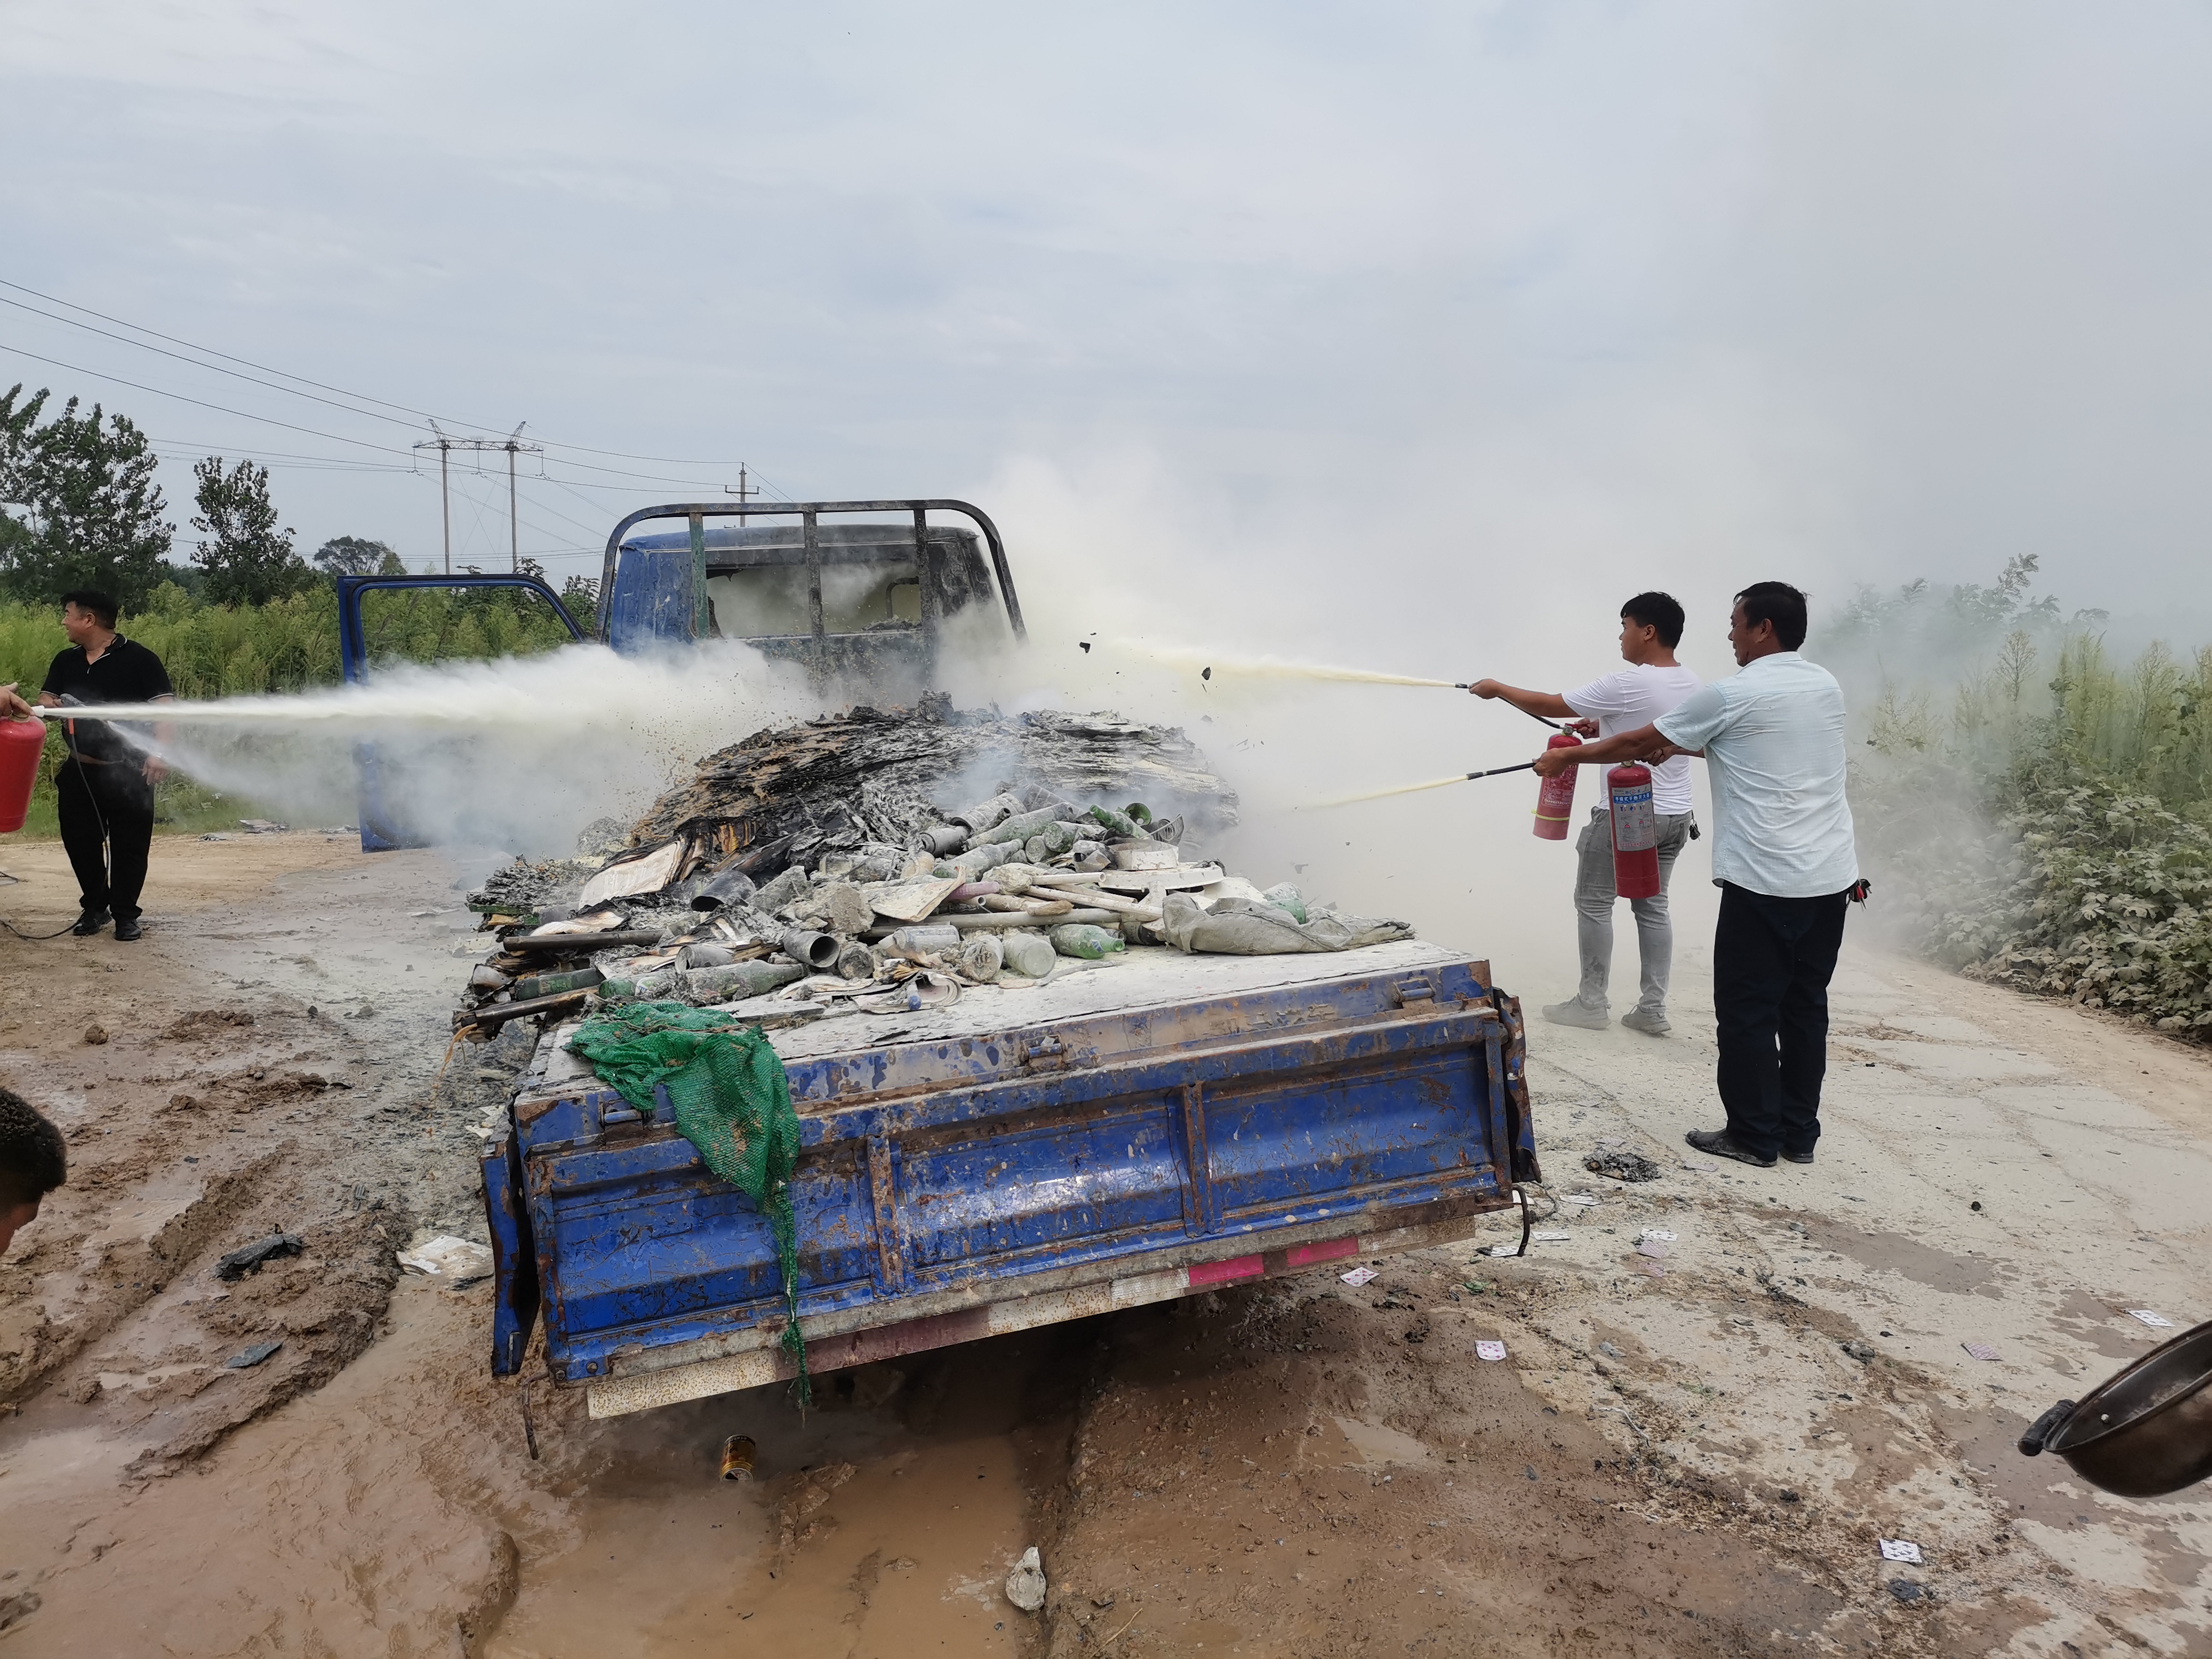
(1626, 700)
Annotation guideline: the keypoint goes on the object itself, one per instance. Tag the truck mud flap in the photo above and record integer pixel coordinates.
(514, 1255)
(1519, 1121)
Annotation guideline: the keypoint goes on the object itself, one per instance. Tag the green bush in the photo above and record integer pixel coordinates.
(2054, 835)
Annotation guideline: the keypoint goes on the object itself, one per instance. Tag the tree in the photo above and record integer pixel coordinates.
(352, 556)
(248, 560)
(91, 511)
(580, 598)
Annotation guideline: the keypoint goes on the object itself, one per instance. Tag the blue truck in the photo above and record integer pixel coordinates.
(1158, 1127)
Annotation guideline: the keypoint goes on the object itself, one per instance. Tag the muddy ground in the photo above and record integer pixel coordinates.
(1693, 1448)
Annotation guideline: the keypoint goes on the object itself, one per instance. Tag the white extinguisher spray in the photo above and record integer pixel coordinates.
(1635, 831)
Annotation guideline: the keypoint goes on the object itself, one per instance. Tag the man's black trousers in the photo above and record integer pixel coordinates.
(111, 804)
(1772, 958)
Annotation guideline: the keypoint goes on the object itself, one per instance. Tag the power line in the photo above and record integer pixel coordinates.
(557, 512)
(179, 357)
(333, 462)
(220, 409)
(265, 368)
(283, 463)
(314, 432)
(445, 446)
(360, 396)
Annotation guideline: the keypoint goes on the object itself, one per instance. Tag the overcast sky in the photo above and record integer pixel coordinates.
(1614, 293)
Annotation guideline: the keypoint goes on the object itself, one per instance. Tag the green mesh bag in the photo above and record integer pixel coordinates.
(732, 1102)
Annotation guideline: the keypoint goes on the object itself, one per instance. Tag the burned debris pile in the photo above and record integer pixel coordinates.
(793, 792)
(887, 860)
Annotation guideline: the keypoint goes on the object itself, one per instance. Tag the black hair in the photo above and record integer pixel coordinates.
(32, 1160)
(1779, 603)
(101, 607)
(1659, 611)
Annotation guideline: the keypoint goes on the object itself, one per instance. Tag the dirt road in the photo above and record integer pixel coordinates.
(1693, 1448)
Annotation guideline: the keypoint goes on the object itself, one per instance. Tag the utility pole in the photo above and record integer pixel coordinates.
(444, 446)
(514, 520)
(744, 491)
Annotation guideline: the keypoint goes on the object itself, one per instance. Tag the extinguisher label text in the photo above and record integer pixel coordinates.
(1635, 826)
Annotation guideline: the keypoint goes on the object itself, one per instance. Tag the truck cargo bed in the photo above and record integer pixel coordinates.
(1135, 1130)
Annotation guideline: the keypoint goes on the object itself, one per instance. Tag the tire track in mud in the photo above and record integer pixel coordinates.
(118, 1308)
(126, 1276)
(198, 1121)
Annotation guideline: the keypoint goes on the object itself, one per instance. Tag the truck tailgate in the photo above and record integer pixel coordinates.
(1151, 1126)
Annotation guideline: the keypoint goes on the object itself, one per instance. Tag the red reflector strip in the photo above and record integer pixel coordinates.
(1334, 1250)
(1220, 1273)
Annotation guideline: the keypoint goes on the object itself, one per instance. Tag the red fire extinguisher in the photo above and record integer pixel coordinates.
(1635, 832)
(21, 743)
(1555, 797)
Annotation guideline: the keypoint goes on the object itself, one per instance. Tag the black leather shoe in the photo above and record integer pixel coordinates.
(128, 929)
(1793, 1157)
(90, 923)
(1720, 1144)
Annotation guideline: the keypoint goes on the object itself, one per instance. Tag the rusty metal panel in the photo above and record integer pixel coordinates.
(890, 1238)
(1198, 1209)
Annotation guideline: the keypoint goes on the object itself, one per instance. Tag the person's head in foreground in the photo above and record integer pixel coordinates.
(33, 1163)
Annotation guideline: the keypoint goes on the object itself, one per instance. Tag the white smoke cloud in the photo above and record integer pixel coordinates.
(519, 754)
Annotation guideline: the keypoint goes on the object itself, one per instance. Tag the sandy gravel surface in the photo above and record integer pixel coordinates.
(1692, 1450)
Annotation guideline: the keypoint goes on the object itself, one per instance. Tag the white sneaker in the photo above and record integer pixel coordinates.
(1573, 1012)
(1635, 1019)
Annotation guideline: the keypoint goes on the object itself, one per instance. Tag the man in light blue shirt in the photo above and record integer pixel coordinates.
(1784, 858)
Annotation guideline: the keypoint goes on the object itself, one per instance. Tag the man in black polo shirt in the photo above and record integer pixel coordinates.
(106, 788)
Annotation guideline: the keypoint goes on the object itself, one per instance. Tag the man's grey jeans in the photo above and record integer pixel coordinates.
(1593, 900)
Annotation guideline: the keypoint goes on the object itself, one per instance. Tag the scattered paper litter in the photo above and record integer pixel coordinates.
(1659, 1233)
(1505, 1249)
(1979, 1349)
(1897, 1549)
(447, 1257)
(1701, 1164)
(1490, 1350)
(1358, 1275)
(1552, 1238)
(1578, 1198)
(2150, 1318)
(1651, 1246)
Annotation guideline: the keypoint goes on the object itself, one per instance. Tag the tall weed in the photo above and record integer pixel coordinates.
(2052, 828)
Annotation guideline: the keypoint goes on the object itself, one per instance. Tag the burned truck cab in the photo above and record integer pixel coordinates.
(871, 603)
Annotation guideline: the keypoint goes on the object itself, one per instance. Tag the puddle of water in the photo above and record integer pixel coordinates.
(1923, 1264)
(2082, 1316)
(41, 1467)
(1372, 1446)
(904, 1554)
